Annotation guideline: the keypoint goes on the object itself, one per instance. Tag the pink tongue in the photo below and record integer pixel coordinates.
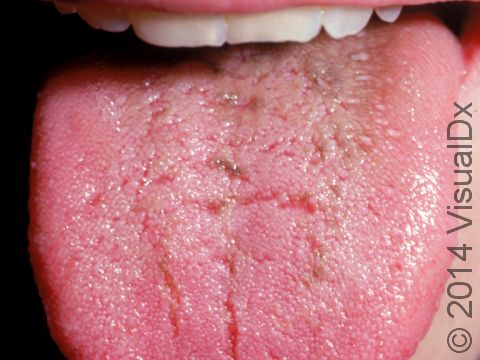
(254, 202)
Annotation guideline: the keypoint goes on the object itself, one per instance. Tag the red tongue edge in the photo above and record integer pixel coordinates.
(207, 211)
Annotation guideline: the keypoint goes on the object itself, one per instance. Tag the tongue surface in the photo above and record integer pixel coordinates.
(252, 202)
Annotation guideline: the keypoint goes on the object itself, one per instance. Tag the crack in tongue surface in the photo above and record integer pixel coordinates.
(251, 202)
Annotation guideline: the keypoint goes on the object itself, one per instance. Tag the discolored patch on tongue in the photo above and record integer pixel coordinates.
(250, 202)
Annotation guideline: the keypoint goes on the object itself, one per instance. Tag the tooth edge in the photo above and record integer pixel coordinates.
(337, 21)
(244, 28)
(190, 31)
(389, 13)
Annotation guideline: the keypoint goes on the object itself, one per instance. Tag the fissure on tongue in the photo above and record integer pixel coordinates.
(251, 202)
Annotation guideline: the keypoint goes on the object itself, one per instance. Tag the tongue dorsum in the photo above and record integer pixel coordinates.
(248, 202)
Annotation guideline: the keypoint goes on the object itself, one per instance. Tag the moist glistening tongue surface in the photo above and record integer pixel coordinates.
(248, 202)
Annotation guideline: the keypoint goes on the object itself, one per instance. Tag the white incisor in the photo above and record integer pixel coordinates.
(299, 24)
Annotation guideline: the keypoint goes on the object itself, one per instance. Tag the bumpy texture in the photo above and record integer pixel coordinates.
(249, 203)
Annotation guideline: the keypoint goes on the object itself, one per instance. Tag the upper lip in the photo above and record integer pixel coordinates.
(241, 6)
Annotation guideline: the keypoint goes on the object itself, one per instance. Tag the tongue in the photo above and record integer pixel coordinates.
(251, 202)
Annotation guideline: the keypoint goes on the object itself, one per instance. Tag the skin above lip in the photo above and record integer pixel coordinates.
(241, 6)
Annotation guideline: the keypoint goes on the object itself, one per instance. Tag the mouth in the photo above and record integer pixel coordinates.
(256, 200)
(207, 28)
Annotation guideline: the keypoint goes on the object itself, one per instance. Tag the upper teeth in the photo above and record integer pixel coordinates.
(342, 21)
(104, 17)
(181, 30)
(295, 24)
(389, 13)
